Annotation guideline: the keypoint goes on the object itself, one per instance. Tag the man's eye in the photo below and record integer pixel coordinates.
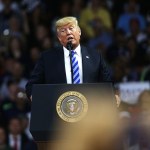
(71, 28)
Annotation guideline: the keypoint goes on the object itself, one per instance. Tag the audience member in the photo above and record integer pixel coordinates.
(3, 144)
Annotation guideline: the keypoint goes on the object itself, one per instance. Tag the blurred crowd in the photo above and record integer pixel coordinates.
(135, 123)
(119, 29)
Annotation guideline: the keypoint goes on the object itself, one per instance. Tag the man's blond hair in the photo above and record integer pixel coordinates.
(66, 20)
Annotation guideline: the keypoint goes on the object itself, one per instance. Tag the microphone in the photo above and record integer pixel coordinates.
(69, 46)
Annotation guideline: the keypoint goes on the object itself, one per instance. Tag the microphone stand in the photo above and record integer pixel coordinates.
(70, 47)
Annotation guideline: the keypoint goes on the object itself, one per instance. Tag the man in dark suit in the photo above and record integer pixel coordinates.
(54, 66)
(16, 137)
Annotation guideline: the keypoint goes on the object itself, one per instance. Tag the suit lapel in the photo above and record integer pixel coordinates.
(61, 66)
(85, 62)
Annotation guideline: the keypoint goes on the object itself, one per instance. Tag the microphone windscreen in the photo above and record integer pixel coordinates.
(69, 45)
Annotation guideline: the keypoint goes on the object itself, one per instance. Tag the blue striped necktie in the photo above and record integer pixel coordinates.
(75, 67)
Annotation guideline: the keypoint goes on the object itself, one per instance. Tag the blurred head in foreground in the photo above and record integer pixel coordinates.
(98, 130)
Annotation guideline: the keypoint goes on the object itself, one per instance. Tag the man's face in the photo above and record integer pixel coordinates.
(2, 136)
(67, 33)
(15, 126)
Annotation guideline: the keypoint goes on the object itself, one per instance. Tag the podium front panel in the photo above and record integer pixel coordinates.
(45, 121)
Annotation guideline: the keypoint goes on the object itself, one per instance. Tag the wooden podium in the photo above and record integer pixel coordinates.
(45, 121)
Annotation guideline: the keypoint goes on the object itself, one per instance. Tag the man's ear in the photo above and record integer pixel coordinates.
(79, 30)
(58, 37)
(57, 33)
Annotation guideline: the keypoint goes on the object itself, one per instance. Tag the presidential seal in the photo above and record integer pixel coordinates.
(71, 106)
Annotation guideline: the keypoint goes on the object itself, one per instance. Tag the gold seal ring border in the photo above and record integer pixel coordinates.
(71, 119)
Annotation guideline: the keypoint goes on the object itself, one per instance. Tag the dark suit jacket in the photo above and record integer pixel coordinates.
(24, 141)
(50, 69)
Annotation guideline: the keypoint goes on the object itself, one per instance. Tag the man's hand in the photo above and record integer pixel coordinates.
(118, 100)
(31, 97)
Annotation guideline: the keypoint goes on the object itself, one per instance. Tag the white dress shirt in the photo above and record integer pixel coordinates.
(67, 64)
(12, 142)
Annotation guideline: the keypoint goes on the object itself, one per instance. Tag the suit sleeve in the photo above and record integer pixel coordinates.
(105, 71)
(37, 76)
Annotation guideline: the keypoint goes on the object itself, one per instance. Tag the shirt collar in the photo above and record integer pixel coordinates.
(78, 51)
(18, 136)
